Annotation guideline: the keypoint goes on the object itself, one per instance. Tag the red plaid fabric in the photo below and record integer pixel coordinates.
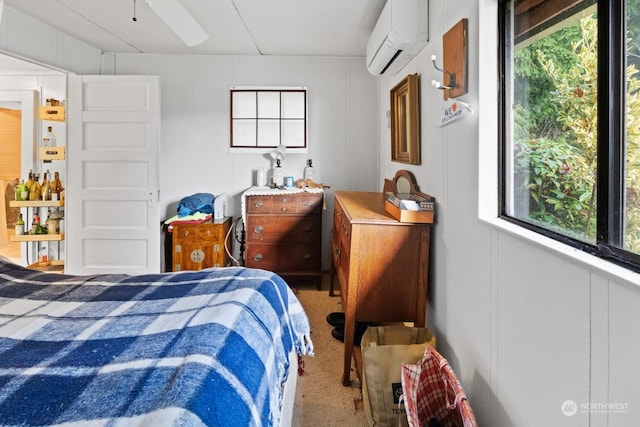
(433, 395)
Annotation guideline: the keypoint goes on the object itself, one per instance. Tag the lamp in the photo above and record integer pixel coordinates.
(278, 153)
(276, 172)
(179, 20)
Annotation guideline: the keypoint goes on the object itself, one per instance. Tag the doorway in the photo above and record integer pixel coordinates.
(10, 155)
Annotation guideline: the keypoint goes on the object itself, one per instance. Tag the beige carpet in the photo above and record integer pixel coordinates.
(321, 399)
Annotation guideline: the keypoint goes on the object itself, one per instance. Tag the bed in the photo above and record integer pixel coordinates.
(216, 347)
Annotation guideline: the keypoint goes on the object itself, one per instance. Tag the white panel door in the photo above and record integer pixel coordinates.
(111, 207)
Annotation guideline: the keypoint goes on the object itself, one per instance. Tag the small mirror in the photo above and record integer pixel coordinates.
(403, 182)
(403, 185)
(405, 121)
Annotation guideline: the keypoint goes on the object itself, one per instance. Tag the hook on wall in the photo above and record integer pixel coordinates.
(454, 61)
(452, 77)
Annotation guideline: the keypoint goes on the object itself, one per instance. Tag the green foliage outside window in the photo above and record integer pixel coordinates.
(555, 134)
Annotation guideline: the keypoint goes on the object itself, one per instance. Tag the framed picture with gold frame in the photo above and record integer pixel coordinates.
(405, 121)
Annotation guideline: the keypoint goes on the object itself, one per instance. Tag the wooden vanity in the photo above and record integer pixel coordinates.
(382, 265)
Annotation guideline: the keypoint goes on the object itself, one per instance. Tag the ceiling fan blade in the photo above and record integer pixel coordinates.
(179, 20)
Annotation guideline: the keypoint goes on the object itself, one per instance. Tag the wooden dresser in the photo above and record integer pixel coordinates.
(381, 265)
(284, 233)
(198, 246)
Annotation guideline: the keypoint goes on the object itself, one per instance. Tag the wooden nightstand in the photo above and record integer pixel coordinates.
(198, 246)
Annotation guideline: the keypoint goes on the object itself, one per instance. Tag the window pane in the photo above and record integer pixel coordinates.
(293, 133)
(293, 105)
(551, 156)
(269, 105)
(244, 105)
(244, 133)
(632, 143)
(268, 133)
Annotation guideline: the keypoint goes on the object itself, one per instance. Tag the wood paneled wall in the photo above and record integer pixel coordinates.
(10, 146)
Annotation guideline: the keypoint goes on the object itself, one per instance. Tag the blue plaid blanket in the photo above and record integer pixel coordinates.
(193, 348)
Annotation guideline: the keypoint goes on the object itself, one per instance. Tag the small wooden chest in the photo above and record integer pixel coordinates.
(198, 246)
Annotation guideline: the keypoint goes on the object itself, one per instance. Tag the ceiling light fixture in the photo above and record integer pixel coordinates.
(179, 20)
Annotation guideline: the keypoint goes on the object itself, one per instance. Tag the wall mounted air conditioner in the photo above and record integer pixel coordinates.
(400, 34)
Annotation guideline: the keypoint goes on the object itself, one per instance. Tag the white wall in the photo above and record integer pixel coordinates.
(527, 324)
(195, 112)
(27, 37)
(195, 153)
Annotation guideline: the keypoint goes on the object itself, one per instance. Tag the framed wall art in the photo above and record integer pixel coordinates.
(405, 121)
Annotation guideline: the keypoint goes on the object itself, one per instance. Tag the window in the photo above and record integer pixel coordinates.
(266, 118)
(570, 157)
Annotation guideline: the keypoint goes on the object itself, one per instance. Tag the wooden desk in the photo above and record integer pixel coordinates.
(382, 265)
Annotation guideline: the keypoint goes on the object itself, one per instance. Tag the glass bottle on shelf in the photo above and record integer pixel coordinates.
(29, 182)
(34, 224)
(17, 189)
(43, 254)
(56, 190)
(22, 192)
(35, 191)
(46, 186)
(49, 138)
(19, 225)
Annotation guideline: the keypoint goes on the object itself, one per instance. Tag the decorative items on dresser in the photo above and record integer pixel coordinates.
(284, 231)
(381, 263)
(198, 246)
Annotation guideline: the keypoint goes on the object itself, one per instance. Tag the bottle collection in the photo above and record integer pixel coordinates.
(34, 190)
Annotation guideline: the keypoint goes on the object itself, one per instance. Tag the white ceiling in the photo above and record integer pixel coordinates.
(235, 27)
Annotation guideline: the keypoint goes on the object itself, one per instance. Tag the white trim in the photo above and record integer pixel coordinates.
(256, 150)
(590, 262)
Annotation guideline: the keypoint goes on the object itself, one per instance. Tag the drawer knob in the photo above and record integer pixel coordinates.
(308, 229)
(259, 204)
(186, 232)
(257, 257)
(284, 209)
(307, 256)
(259, 229)
(284, 200)
(308, 204)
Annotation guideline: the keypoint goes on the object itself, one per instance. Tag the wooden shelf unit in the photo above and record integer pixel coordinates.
(29, 238)
(51, 113)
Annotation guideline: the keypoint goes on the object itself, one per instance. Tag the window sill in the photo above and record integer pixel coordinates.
(257, 150)
(592, 263)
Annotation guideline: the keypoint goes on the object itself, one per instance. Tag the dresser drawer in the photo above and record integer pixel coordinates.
(283, 229)
(297, 203)
(342, 227)
(310, 203)
(284, 204)
(203, 232)
(284, 258)
(209, 231)
(258, 204)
